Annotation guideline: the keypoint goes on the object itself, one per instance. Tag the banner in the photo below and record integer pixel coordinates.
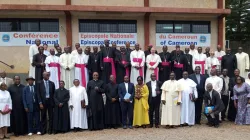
(96, 39)
(173, 39)
(28, 38)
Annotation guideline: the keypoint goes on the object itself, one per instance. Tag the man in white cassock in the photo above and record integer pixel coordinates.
(171, 100)
(81, 71)
(212, 63)
(78, 102)
(218, 54)
(199, 59)
(137, 58)
(152, 62)
(242, 62)
(53, 67)
(189, 95)
(32, 51)
(192, 50)
(67, 68)
(74, 52)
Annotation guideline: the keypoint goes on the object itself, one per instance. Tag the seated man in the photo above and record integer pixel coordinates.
(212, 99)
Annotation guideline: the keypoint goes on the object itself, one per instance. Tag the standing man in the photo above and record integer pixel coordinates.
(53, 67)
(81, 72)
(128, 49)
(216, 81)
(123, 65)
(95, 88)
(200, 80)
(192, 51)
(189, 58)
(174, 52)
(74, 52)
(212, 98)
(38, 62)
(61, 110)
(219, 54)
(212, 63)
(46, 90)
(56, 47)
(94, 63)
(229, 62)
(32, 51)
(107, 57)
(59, 52)
(126, 93)
(152, 62)
(4, 79)
(154, 100)
(31, 106)
(137, 58)
(67, 68)
(200, 60)
(188, 96)
(148, 52)
(179, 64)
(207, 51)
(78, 102)
(242, 62)
(18, 117)
(225, 93)
(165, 65)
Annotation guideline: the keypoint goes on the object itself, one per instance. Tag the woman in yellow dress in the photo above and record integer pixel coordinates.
(141, 106)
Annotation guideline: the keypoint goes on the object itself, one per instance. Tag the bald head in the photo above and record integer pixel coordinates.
(209, 87)
(52, 52)
(38, 42)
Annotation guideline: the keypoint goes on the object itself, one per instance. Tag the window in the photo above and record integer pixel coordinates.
(182, 27)
(29, 25)
(108, 26)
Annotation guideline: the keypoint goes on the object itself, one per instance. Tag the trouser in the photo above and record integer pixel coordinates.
(33, 117)
(198, 110)
(225, 100)
(154, 107)
(213, 120)
(47, 108)
(127, 113)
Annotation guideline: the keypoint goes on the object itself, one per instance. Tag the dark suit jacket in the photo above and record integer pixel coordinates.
(158, 87)
(28, 100)
(215, 101)
(200, 87)
(122, 90)
(42, 92)
(38, 59)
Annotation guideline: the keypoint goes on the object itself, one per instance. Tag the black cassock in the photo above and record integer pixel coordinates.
(18, 117)
(112, 109)
(61, 114)
(94, 64)
(122, 66)
(164, 66)
(96, 105)
(179, 65)
(190, 64)
(229, 62)
(37, 60)
(107, 52)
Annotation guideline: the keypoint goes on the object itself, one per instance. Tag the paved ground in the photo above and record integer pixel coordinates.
(227, 131)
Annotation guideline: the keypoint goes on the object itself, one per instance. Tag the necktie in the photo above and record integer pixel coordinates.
(32, 91)
(47, 89)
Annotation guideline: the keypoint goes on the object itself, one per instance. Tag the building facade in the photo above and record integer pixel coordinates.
(89, 22)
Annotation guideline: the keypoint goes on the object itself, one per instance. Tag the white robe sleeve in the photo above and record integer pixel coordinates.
(247, 61)
(47, 64)
(195, 92)
(31, 54)
(148, 61)
(157, 62)
(143, 60)
(85, 96)
(206, 65)
(62, 63)
(220, 86)
(70, 97)
(9, 102)
(193, 60)
(163, 95)
(72, 62)
(131, 59)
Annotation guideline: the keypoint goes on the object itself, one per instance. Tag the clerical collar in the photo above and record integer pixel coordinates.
(18, 85)
(61, 88)
(95, 80)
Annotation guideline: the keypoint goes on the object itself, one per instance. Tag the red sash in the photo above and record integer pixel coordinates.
(178, 66)
(110, 60)
(219, 58)
(139, 60)
(127, 69)
(155, 70)
(202, 63)
(165, 63)
(57, 65)
(82, 67)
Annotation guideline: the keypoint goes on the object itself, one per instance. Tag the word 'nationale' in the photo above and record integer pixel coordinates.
(106, 36)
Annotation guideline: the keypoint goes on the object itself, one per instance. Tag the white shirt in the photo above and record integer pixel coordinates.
(153, 86)
(193, 52)
(210, 93)
(126, 86)
(217, 83)
(3, 80)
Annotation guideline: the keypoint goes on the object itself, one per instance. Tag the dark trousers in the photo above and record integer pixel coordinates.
(154, 107)
(47, 108)
(127, 113)
(213, 121)
(33, 117)
(225, 100)
(198, 110)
